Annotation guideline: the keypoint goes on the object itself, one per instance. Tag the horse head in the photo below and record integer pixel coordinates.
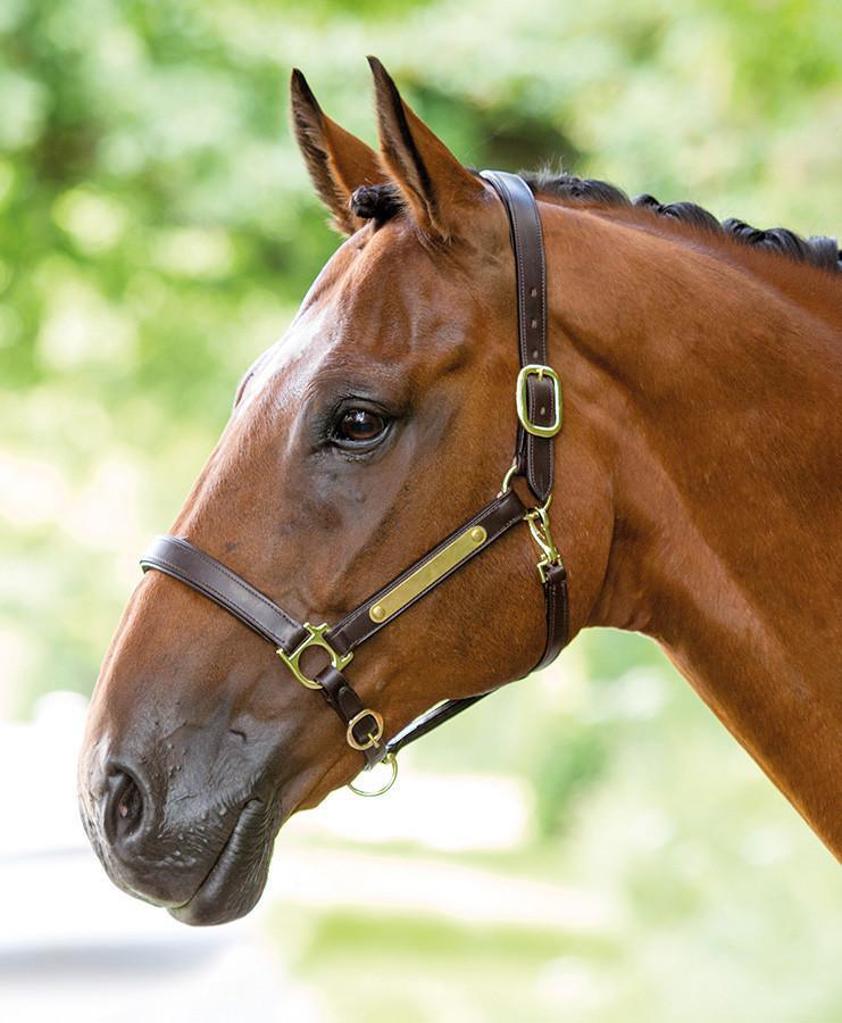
(379, 422)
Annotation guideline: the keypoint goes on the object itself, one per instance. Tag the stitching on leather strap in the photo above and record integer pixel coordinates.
(176, 572)
(338, 632)
(237, 580)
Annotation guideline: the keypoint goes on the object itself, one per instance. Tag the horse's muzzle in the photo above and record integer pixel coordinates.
(206, 863)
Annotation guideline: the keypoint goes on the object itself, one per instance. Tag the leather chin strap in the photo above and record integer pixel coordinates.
(538, 396)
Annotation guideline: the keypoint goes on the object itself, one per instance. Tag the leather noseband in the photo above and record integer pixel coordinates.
(539, 407)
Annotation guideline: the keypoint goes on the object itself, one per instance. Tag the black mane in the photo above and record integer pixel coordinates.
(382, 202)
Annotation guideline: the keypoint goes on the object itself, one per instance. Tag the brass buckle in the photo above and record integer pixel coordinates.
(373, 737)
(390, 761)
(535, 370)
(539, 526)
(315, 637)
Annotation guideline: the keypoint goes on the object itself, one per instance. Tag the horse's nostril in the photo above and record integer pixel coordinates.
(125, 806)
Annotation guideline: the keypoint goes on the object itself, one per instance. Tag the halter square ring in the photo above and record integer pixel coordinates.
(315, 637)
(522, 403)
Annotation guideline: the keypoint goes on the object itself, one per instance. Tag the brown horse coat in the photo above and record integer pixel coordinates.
(699, 476)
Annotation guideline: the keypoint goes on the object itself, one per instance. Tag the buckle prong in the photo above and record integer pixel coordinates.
(374, 736)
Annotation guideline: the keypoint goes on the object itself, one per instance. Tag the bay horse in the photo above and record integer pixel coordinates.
(698, 477)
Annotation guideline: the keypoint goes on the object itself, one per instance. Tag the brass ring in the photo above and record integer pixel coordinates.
(506, 485)
(373, 737)
(392, 761)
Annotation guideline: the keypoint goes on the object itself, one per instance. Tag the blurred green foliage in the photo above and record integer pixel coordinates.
(157, 231)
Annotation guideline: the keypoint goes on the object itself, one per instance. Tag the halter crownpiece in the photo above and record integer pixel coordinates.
(539, 410)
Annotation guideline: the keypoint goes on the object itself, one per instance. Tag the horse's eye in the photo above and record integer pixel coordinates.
(359, 426)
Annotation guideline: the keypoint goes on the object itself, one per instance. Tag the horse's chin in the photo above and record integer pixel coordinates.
(238, 876)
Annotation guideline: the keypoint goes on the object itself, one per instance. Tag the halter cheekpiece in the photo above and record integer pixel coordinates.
(539, 411)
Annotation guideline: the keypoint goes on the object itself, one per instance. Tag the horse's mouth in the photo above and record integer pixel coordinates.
(237, 878)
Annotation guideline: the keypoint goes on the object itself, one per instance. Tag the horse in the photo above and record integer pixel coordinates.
(698, 477)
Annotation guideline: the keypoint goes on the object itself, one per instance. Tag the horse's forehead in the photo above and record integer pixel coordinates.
(370, 289)
(378, 292)
(387, 268)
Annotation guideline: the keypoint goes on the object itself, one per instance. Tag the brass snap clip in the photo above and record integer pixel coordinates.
(539, 526)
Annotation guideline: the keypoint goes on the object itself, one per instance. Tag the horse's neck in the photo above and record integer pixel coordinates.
(727, 494)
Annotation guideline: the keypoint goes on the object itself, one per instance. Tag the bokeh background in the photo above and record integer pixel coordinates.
(588, 845)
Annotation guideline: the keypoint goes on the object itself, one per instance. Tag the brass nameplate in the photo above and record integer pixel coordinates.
(427, 574)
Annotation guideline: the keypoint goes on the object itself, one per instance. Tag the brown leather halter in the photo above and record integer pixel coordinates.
(539, 409)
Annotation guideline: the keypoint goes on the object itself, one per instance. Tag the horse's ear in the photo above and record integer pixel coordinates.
(338, 161)
(434, 183)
